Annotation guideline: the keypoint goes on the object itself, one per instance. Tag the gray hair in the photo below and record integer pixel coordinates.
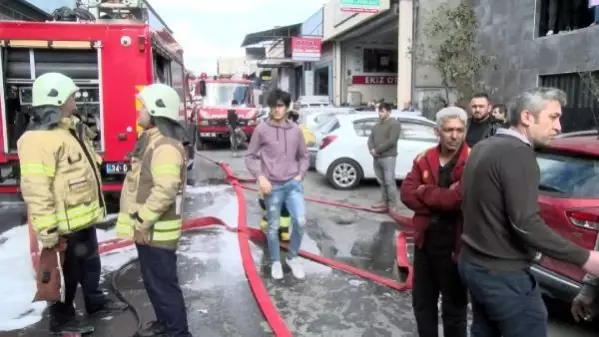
(534, 101)
(450, 113)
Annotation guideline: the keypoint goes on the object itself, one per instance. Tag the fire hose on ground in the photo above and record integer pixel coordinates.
(244, 234)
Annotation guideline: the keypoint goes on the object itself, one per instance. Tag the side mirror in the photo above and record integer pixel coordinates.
(201, 88)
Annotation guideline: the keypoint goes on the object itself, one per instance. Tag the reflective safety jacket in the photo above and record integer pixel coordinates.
(154, 189)
(309, 137)
(60, 180)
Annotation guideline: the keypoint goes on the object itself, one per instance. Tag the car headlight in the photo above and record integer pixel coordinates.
(204, 123)
(252, 122)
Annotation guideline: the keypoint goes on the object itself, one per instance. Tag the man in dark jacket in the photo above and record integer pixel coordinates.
(432, 191)
(503, 229)
(382, 144)
(232, 123)
(482, 124)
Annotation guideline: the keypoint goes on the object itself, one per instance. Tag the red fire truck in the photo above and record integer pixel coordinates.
(213, 97)
(110, 60)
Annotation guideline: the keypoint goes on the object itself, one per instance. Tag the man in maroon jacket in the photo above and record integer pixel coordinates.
(432, 191)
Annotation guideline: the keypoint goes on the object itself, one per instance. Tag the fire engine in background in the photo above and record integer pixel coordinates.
(213, 97)
(110, 59)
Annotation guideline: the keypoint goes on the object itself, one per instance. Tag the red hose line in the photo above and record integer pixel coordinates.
(270, 312)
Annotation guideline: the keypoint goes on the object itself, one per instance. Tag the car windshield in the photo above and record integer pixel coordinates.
(569, 176)
(222, 94)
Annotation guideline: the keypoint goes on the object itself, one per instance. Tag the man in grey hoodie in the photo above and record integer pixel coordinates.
(278, 157)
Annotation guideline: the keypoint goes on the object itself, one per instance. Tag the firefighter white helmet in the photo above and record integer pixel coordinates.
(52, 89)
(161, 101)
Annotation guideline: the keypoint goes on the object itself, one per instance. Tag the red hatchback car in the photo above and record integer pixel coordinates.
(569, 202)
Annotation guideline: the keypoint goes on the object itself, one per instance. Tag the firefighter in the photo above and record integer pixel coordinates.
(61, 186)
(285, 216)
(151, 207)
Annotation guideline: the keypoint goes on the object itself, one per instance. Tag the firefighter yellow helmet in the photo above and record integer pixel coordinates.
(161, 101)
(52, 89)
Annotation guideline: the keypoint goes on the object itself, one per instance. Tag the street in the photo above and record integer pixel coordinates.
(220, 303)
(366, 240)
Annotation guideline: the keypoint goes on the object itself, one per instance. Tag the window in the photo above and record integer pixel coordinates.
(564, 15)
(380, 61)
(363, 127)
(222, 93)
(178, 79)
(328, 126)
(416, 131)
(568, 176)
(162, 70)
(321, 119)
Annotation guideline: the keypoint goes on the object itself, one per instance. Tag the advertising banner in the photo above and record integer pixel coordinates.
(360, 6)
(306, 49)
(374, 80)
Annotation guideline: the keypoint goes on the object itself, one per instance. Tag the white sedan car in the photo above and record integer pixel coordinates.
(343, 155)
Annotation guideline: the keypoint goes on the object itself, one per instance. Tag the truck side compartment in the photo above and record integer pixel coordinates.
(108, 62)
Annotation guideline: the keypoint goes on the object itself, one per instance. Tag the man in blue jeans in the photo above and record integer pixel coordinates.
(278, 157)
(502, 227)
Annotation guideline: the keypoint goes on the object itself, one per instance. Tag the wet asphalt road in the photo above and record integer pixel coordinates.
(327, 303)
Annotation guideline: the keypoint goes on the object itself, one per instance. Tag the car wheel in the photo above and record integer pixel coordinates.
(344, 174)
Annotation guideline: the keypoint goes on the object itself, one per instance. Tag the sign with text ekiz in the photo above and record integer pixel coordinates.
(305, 49)
(360, 6)
(374, 80)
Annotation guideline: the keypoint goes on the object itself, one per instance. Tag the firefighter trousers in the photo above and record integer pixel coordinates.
(435, 273)
(81, 266)
(159, 273)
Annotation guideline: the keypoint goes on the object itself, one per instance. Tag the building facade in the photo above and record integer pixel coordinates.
(515, 34)
(27, 10)
(364, 52)
(371, 54)
(318, 75)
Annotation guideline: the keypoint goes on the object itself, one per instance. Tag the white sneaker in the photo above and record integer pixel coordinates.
(296, 268)
(276, 270)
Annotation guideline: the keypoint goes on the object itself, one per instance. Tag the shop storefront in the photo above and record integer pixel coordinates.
(364, 52)
(285, 71)
(370, 50)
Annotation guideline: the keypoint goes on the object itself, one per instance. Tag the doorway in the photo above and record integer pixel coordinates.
(321, 81)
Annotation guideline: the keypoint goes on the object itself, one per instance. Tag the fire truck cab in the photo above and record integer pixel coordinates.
(110, 59)
(213, 97)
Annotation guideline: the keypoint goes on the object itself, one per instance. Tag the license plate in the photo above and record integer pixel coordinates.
(207, 134)
(117, 168)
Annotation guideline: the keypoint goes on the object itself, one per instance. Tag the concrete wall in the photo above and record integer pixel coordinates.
(507, 32)
(337, 22)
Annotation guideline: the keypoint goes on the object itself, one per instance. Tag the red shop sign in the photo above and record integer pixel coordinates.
(375, 80)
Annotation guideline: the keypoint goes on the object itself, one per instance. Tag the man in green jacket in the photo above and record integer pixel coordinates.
(382, 144)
